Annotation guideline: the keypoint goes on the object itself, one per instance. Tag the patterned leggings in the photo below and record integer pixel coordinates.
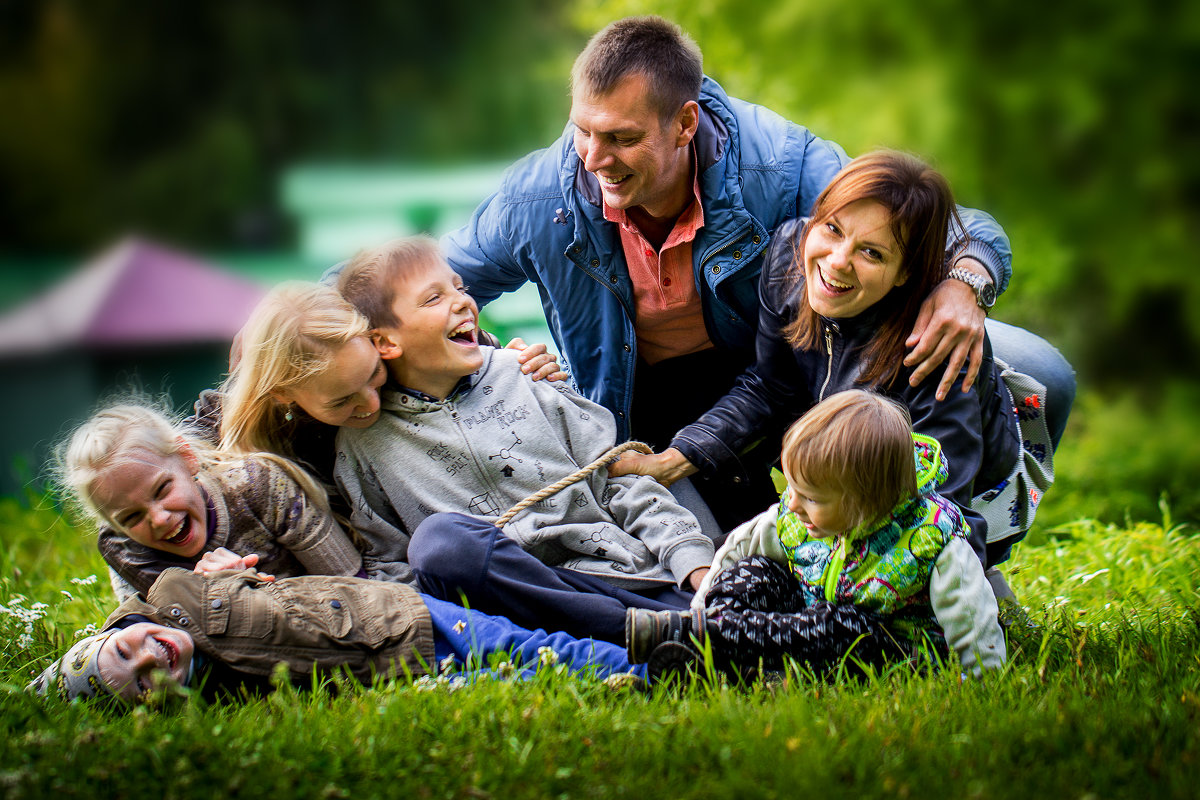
(756, 612)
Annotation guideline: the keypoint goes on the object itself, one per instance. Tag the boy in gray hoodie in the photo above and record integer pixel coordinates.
(464, 436)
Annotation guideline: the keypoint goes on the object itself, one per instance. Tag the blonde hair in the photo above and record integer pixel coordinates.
(368, 282)
(292, 335)
(859, 443)
(107, 439)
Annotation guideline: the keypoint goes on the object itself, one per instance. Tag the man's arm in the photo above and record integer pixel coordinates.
(479, 253)
(949, 326)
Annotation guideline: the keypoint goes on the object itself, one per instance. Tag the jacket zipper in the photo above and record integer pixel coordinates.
(829, 368)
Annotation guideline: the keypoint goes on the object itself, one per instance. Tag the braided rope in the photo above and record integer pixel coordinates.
(540, 495)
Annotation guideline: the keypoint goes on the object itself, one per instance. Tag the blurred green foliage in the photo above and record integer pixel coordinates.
(178, 118)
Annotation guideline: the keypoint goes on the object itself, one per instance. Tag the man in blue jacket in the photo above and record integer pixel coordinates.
(643, 228)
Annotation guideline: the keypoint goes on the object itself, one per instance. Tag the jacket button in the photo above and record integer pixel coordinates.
(716, 270)
(595, 262)
(612, 278)
(756, 238)
(737, 254)
(175, 612)
(737, 478)
(183, 620)
(216, 604)
(335, 603)
(628, 349)
(621, 414)
(576, 249)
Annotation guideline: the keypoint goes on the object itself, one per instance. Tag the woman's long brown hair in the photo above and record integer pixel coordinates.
(920, 203)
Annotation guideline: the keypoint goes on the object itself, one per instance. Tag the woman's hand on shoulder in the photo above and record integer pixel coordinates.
(665, 467)
(537, 361)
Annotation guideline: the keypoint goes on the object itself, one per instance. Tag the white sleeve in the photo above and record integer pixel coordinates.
(755, 536)
(966, 608)
(122, 589)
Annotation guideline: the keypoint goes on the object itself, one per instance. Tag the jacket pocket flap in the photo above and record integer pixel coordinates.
(216, 608)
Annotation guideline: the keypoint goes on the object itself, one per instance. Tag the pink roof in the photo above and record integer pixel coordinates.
(136, 293)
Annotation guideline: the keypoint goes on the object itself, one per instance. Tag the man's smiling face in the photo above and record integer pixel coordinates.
(639, 161)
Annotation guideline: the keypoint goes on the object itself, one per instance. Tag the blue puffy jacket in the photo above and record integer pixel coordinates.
(546, 225)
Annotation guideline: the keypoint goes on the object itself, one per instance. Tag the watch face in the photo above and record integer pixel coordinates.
(987, 295)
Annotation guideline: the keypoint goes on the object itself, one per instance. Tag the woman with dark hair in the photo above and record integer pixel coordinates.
(838, 294)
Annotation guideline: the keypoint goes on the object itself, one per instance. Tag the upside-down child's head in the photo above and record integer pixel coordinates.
(848, 462)
(130, 467)
(126, 663)
(423, 321)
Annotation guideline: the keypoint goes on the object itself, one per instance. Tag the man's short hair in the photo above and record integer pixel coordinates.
(650, 46)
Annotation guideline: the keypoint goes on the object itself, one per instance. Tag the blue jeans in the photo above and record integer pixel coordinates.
(455, 556)
(1031, 354)
(472, 637)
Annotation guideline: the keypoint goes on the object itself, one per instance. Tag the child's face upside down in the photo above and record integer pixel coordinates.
(143, 657)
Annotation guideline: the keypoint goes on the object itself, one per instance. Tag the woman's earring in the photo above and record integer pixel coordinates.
(287, 415)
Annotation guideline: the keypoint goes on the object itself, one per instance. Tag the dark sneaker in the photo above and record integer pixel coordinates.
(645, 630)
(673, 663)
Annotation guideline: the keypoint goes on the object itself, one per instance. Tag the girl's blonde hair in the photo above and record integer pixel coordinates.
(109, 437)
(859, 443)
(291, 336)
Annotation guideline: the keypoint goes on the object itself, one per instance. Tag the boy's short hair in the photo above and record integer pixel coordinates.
(861, 444)
(368, 282)
(650, 46)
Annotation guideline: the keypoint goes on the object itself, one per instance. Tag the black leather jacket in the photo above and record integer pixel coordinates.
(977, 429)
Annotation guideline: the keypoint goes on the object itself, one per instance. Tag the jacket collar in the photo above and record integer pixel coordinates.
(399, 398)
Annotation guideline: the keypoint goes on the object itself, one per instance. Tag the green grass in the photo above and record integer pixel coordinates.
(1102, 701)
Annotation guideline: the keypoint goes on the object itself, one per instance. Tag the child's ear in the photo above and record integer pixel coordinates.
(386, 344)
(188, 455)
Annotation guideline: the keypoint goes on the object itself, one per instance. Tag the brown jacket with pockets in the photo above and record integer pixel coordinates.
(313, 622)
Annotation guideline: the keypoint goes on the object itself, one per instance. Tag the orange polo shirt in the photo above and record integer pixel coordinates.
(669, 319)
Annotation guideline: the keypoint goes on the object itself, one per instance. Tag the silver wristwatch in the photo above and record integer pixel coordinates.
(985, 290)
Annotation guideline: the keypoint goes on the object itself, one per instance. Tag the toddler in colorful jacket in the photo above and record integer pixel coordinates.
(861, 523)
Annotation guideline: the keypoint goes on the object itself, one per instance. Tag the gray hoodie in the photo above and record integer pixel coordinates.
(496, 440)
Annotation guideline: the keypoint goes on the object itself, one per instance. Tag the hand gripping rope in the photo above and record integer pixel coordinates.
(540, 495)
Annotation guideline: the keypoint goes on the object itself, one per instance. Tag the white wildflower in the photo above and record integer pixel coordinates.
(67, 594)
(88, 581)
(505, 669)
(547, 657)
(87, 630)
(446, 664)
(460, 626)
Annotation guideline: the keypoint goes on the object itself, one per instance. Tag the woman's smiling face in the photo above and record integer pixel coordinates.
(346, 393)
(852, 260)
